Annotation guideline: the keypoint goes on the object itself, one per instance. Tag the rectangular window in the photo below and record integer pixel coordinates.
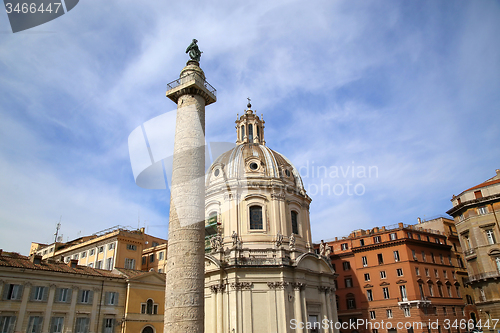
(109, 264)
(346, 265)
(152, 257)
(394, 236)
(101, 249)
(383, 275)
(449, 259)
(431, 290)
(396, 256)
(34, 324)
(482, 210)
(454, 311)
(409, 235)
(365, 261)
(436, 273)
(351, 303)
(402, 291)
(448, 288)
(84, 254)
(417, 271)
(369, 295)
(85, 296)
(256, 218)
(376, 239)
(129, 263)
(155, 309)
(56, 324)
(457, 289)
(82, 325)
(109, 325)
(445, 274)
(160, 255)
(7, 324)
(427, 272)
(414, 254)
(92, 252)
(372, 315)
(343, 246)
(144, 260)
(389, 313)
(444, 310)
(362, 242)
(478, 194)
(380, 259)
(432, 258)
(407, 312)
(490, 236)
(399, 272)
(63, 295)
(348, 282)
(98, 264)
(441, 258)
(423, 256)
(38, 293)
(367, 276)
(131, 247)
(143, 308)
(385, 290)
(111, 246)
(111, 298)
(13, 291)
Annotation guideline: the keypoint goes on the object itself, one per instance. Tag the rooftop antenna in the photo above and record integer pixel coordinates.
(58, 226)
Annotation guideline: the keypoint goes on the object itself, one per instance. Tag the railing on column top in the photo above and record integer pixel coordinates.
(194, 76)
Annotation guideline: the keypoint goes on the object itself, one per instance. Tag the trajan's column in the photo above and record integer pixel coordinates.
(184, 300)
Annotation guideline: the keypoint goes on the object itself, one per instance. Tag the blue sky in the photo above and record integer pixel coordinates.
(409, 87)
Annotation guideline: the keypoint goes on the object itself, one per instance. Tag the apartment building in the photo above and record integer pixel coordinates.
(114, 247)
(45, 296)
(398, 274)
(476, 212)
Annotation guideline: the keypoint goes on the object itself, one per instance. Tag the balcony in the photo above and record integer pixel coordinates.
(189, 82)
(484, 276)
(469, 252)
(417, 303)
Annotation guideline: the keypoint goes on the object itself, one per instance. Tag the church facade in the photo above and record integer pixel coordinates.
(261, 273)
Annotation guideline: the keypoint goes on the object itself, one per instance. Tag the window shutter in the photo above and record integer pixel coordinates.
(57, 295)
(45, 293)
(86, 324)
(52, 327)
(91, 296)
(6, 288)
(116, 300)
(104, 326)
(69, 295)
(80, 293)
(32, 293)
(107, 298)
(20, 292)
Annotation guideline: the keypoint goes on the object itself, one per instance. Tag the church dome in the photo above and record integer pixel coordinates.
(252, 161)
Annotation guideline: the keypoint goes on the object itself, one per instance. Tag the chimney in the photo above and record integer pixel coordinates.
(36, 259)
(419, 220)
(400, 225)
(498, 172)
(73, 263)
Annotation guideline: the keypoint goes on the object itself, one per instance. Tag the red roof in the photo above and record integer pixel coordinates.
(487, 183)
(10, 259)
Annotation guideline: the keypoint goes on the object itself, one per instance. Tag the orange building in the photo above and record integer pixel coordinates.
(394, 276)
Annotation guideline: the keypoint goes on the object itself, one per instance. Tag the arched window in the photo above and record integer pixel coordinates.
(295, 224)
(469, 299)
(212, 218)
(256, 218)
(149, 306)
(258, 131)
(250, 133)
(242, 132)
(147, 329)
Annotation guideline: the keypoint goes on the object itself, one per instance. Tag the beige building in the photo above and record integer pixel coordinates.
(258, 277)
(45, 296)
(114, 247)
(476, 214)
(447, 227)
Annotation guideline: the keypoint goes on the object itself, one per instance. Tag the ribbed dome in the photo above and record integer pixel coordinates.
(252, 161)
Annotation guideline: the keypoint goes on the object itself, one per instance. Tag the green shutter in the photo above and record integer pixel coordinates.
(6, 288)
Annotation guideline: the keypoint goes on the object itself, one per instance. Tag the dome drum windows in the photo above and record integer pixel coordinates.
(256, 220)
(295, 222)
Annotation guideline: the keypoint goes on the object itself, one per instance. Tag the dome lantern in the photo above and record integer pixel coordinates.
(249, 127)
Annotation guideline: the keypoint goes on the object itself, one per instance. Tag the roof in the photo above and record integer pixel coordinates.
(486, 183)
(253, 160)
(15, 260)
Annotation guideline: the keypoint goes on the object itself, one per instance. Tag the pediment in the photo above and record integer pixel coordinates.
(368, 285)
(400, 281)
(385, 283)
